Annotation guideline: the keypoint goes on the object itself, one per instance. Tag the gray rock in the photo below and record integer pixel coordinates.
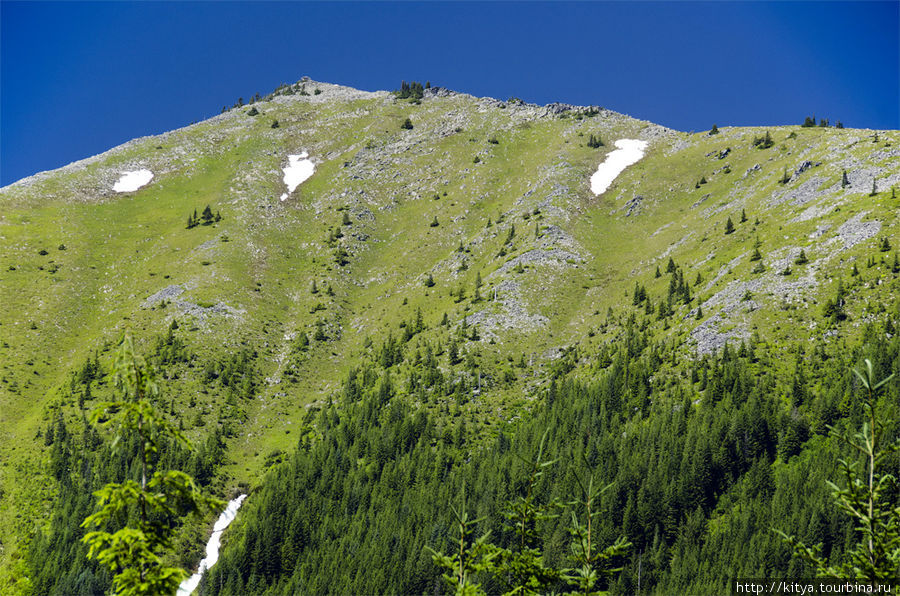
(167, 293)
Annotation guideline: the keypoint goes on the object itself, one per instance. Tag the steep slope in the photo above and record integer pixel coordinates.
(491, 200)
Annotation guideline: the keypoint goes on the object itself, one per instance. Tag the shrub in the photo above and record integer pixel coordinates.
(407, 124)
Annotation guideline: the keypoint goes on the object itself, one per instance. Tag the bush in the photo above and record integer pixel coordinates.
(253, 111)
(407, 124)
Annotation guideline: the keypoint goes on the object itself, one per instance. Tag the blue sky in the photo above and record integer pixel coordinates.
(79, 78)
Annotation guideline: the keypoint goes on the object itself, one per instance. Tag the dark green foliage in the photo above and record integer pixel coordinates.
(869, 498)
(714, 130)
(801, 258)
(434, 222)
(763, 142)
(874, 188)
(785, 177)
(407, 124)
(594, 141)
(743, 216)
(729, 226)
(885, 244)
(207, 216)
(413, 90)
(809, 122)
(845, 182)
(694, 483)
(429, 281)
(132, 553)
(253, 111)
(275, 124)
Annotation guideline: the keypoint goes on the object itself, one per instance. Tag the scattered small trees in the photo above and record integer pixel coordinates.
(413, 90)
(594, 141)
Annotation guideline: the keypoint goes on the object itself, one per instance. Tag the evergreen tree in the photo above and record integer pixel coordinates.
(714, 130)
(207, 216)
(729, 226)
(407, 124)
(876, 555)
(429, 281)
(845, 181)
(134, 553)
(874, 188)
(743, 216)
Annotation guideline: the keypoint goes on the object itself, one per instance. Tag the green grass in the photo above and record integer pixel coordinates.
(123, 248)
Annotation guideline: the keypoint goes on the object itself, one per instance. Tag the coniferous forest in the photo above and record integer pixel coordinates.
(702, 460)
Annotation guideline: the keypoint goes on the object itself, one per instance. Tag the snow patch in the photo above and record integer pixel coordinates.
(298, 170)
(212, 547)
(627, 152)
(131, 181)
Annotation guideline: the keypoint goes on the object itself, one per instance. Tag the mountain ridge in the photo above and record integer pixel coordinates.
(487, 201)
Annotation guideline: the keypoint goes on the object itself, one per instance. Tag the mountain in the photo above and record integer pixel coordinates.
(447, 251)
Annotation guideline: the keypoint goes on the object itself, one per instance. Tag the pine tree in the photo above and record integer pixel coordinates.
(801, 258)
(407, 124)
(434, 222)
(743, 216)
(874, 188)
(845, 181)
(429, 281)
(729, 226)
(714, 130)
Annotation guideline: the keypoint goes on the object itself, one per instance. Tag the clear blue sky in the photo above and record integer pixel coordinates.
(79, 78)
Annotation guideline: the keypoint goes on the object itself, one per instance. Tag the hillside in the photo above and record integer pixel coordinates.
(282, 296)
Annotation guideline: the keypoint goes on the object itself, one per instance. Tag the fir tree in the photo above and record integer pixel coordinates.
(729, 226)
(845, 181)
(134, 553)
(207, 216)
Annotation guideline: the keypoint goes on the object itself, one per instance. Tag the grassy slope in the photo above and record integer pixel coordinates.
(120, 249)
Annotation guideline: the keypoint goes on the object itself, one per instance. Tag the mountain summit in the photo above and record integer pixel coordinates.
(480, 251)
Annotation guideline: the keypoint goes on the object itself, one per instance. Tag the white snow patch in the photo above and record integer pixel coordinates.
(298, 170)
(627, 152)
(212, 547)
(131, 181)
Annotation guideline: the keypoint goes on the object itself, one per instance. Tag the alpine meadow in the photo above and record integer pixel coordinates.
(425, 342)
